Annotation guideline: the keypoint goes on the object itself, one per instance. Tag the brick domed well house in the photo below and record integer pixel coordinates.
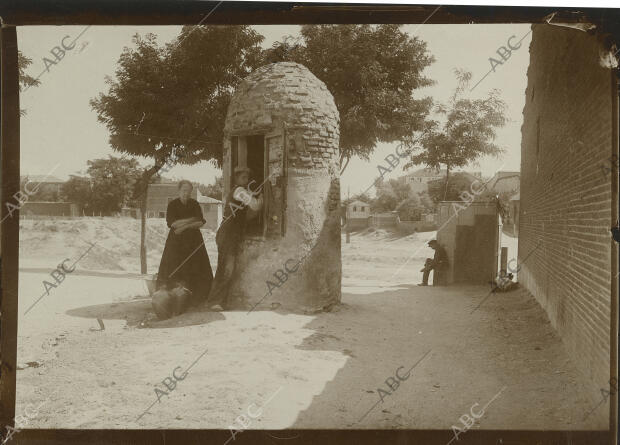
(283, 124)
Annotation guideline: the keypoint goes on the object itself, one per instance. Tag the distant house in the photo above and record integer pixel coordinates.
(159, 195)
(44, 193)
(505, 182)
(357, 214)
(358, 209)
(43, 184)
(212, 210)
(32, 208)
(473, 176)
(419, 179)
(384, 220)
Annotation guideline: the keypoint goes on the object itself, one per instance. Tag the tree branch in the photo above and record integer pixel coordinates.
(345, 165)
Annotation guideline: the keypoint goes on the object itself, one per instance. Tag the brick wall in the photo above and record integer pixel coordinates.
(49, 209)
(566, 199)
(383, 220)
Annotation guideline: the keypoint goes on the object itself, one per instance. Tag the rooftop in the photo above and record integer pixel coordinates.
(357, 203)
(427, 172)
(43, 178)
(208, 200)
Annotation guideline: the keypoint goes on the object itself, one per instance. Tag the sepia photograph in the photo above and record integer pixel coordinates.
(312, 226)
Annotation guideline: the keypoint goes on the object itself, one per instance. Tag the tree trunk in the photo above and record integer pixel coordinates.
(141, 193)
(143, 265)
(445, 190)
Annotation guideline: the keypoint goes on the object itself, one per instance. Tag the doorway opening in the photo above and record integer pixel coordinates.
(249, 151)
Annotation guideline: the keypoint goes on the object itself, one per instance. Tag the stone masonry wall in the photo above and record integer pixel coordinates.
(277, 99)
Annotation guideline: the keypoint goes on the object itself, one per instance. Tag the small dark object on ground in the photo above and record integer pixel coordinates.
(504, 283)
(170, 303)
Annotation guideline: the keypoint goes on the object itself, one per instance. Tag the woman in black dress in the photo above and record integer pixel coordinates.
(185, 260)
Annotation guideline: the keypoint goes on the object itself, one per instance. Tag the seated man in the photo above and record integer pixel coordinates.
(439, 264)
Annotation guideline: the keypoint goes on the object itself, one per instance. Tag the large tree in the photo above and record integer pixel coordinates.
(397, 195)
(168, 103)
(78, 190)
(112, 183)
(373, 72)
(460, 182)
(464, 131)
(107, 188)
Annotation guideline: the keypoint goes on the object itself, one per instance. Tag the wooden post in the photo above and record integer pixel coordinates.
(9, 233)
(347, 216)
(504, 259)
(143, 264)
(284, 181)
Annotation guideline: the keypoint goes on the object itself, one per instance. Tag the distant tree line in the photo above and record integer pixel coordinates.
(396, 195)
(107, 186)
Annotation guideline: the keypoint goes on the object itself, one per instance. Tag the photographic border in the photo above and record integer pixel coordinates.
(15, 13)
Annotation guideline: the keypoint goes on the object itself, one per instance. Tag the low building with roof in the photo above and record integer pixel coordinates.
(505, 182)
(357, 214)
(419, 179)
(44, 184)
(159, 196)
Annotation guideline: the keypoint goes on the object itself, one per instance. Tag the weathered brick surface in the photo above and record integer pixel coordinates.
(288, 95)
(566, 199)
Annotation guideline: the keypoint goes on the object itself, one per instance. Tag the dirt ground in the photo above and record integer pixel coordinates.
(290, 370)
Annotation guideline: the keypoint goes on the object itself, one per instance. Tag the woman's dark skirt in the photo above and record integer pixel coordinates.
(185, 261)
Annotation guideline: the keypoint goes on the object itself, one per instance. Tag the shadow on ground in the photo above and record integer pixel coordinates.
(139, 314)
(506, 349)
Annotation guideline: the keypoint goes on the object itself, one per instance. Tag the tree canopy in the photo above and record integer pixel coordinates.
(460, 182)
(77, 189)
(106, 189)
(398, 195)
(464, 131)
(169, 103)
(372, 71)
(25, 80)
(172, 100)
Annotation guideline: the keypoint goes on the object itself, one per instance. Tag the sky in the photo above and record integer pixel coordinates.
(60, 131)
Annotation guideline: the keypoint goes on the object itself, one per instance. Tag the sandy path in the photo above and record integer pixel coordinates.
(319, 371)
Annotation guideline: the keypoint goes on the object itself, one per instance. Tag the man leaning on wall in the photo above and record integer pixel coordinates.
(438, 264)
